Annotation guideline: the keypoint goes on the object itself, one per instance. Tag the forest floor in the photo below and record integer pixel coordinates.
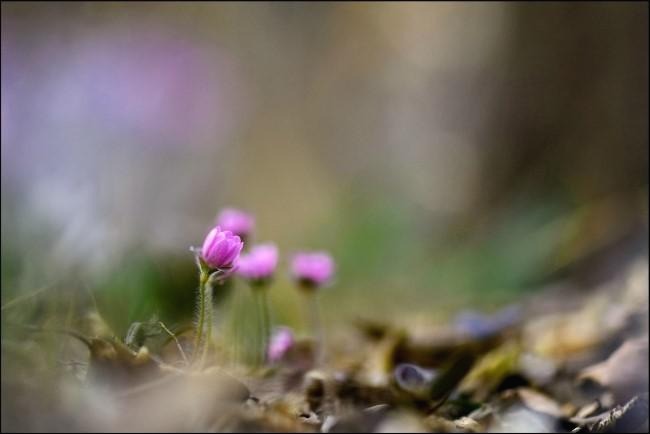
(570, 358)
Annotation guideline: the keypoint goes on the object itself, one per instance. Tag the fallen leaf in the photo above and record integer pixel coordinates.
(625, 372)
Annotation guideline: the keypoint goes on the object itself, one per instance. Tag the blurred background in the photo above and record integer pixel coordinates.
(449, 155)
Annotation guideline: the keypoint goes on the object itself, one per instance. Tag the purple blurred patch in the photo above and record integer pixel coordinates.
(413, 377)
(148, 86)
(281, 342)
(480, 326)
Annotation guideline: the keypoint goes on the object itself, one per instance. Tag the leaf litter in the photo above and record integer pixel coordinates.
(583, 369)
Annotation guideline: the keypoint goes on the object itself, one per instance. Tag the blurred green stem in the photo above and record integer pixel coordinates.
(266, 324)
(264, 328)
(313, 312)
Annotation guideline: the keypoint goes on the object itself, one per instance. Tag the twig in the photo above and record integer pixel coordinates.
(178, 344)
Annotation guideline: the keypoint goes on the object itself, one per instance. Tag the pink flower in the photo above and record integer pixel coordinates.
(281, 342)
(237, 221)
(312, 269)
(221, 249)
(260, 263)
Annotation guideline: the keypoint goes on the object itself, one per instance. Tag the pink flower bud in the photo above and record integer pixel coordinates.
(281, 342)
(312, 269)
(221, 249)
(236, 221)
(260, 263)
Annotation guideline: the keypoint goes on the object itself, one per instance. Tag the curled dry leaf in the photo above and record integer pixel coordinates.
(413, 378)
(625, 372)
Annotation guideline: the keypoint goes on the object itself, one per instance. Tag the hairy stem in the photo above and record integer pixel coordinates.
(198, 338)
(209, 319)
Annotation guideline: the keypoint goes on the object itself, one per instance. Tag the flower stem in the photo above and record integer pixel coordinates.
(236, 330)
(209, 320)
(315, 323)
(257, 359)
(200, 325)
(265, 321)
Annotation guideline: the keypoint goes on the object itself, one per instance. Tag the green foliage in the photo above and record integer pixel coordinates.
(514, 251)
(142, 286)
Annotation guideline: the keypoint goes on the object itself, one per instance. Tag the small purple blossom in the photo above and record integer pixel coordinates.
(221, 249)
(281, 342)
(260, 263)
(237, 221)
(312, 269)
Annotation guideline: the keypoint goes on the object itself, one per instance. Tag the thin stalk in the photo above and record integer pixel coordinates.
(178, 344)
(264, 325)
(209, 319)
(254, 349)
(315, 323)
(258, 332)
(235, 330)
(198, 336)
